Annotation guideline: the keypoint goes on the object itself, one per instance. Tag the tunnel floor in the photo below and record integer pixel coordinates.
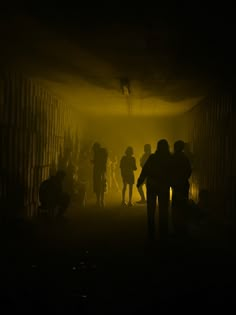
(97, 261)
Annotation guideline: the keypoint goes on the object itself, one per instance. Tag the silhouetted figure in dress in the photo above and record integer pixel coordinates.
(51, 194)
(181, 171)
(156, 172)
(145, 156)
(99, 172)
(127, 168)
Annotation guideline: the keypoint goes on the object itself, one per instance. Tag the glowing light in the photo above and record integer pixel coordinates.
(193, 191)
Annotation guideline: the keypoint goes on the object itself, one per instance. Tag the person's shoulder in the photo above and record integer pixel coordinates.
(46, 181)
(122, 159)
(152, 156)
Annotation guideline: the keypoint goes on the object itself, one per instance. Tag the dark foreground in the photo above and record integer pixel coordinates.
(98, 262)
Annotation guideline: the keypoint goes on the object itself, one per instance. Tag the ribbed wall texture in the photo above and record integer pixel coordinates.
(33, 128)
(212, 134)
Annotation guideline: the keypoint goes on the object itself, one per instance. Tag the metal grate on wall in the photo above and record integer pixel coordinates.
(211, 132)
(33, 124)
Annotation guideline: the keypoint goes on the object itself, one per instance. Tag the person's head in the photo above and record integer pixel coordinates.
(163, 146)
(179, 146)
(96, 146)
(60, 175)
(129, 151)
(147, 148)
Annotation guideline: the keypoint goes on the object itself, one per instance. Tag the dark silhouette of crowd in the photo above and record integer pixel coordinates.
(99, 161)
(161, 172)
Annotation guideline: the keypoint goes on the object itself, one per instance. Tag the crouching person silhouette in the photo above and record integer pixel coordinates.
(51, 196)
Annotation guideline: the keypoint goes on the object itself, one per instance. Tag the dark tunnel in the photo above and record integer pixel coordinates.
(82, 91)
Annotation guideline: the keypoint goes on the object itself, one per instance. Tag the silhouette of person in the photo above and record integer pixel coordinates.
(181, 171)
(127, 168)
(145, 156)
(112, 164)
(99, 172)
(69, 181)
(156, 172)
(189, 153)
(114, 182)
(83, 177)
(108, 173)
(51, 194)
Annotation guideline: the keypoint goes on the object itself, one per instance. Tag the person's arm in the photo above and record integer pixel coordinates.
(144, 173)
(141, 161)
(134, 164)
(121, 163)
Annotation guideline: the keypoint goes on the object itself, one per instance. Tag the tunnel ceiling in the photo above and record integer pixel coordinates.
(171, 57)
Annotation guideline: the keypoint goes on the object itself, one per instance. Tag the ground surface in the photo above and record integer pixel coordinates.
(97, 261)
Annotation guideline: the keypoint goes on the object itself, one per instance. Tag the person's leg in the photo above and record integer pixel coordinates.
(98, 198)
(184, 209)
(130, 194)
(123, 192)
(103, 189)
(102, 199)
(174, 210)
(179, 210)
(151, 208)
(163, 202)
(97, 186)
(141, 192)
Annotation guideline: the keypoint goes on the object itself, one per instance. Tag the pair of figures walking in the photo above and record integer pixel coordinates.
(161, 171)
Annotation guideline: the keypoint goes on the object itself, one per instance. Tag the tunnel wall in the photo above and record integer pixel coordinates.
(211, 133)
(36, 129)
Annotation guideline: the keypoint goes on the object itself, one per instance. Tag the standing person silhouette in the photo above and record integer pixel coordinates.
(127, 167)
(99, 172)
(181, 171)
(145, 156)
(156, 171)
(114, 182)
